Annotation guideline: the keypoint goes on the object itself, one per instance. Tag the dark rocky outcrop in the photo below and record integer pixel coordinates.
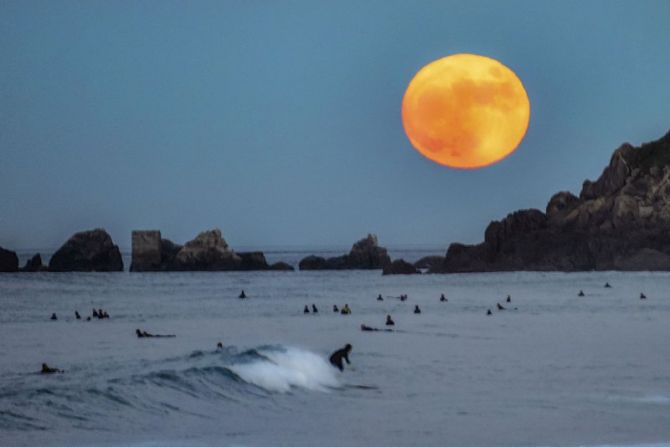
(400, 267)
(87, 251)
(366, 254)
(428, 262)
(9, 262)
(282, 266)
(621, 221)
(312, 262)
(253, 260)
(34, 264)
(207, 252)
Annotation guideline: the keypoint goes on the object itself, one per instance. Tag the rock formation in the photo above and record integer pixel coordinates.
(207, 252)
(282, 266)
(87, 251)
(428, 262)
(366, 254)
(399, 267)
(619, 222)
(34, 264)
(253, 260)
(9, 262)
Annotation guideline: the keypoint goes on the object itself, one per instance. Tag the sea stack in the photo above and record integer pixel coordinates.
(365, 254)
(9, 262)
(87, 251)
(34, 264)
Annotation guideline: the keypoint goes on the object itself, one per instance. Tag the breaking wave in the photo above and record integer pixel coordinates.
(181, 385)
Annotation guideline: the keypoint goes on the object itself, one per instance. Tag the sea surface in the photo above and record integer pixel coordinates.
(553, 369)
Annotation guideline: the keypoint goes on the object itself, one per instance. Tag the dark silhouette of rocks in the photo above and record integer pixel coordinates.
(366, 254)
(282, 266)
(253, 260)
(34, 264)
(428, 262)
(87, 251)
(618, 222)
(313, 262)
(9, 262)
(209, 251)
(400, 267)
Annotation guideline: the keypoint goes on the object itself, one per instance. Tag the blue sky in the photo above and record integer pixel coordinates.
(279, 121)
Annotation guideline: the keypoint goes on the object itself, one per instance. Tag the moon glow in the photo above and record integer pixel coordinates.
(465, 111)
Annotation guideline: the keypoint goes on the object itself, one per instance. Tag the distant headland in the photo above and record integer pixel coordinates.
(619, 222)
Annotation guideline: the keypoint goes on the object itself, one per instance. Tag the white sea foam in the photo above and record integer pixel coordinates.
(287, 368)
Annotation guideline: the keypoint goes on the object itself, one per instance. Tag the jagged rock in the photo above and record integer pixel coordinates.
(9, 262)
(619, 222)
(34, 264)
(365, 254)
(208, 251)
(282, 266)
(253, 260)
(400, 267)
(428, 262)
(559, 206)
(87, 251)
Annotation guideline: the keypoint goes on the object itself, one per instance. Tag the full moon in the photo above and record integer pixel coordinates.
(465, 111)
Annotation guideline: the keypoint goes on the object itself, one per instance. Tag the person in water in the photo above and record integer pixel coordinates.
(46, 369)
(95, 313)
(366, 328)
(643, 296)
(389, 321)
(581, 293)
(500, 306)
(416, 309)
(443, 298)
(219, 345)
(607, 285)
(53, 317)
(242, 294)
(306, 309)
(76, 315)
(314, 309)
(509, 298)
(380, 298)
(145, 334)
(488, 312)
(335, 309)
(339, 355)
(403, 297)
(346, 310)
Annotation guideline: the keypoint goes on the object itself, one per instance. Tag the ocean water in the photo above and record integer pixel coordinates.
(554, 369)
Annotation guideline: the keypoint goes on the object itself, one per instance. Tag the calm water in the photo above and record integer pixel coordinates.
(558, 370)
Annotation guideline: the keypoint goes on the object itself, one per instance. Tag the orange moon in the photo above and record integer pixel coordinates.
(465, 111)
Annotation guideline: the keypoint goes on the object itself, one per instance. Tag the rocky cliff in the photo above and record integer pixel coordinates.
(619, 222)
